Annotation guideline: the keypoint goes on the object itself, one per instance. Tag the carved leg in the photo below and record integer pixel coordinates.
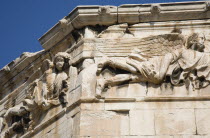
(103, 62)
(100, 86)
(113, 81)
(116, 80)
(119, 63)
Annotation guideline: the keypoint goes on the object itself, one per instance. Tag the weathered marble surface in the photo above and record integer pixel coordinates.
(131, 71)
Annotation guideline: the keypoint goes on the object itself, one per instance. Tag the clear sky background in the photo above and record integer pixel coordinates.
(22, 22)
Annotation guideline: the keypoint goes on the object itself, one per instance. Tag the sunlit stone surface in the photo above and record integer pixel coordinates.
(131, 71)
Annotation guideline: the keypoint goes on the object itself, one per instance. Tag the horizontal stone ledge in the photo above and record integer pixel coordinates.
(199, 98)
(171, 24)
(95, 100)
(143, 99)
(120, 99)
(83, 16)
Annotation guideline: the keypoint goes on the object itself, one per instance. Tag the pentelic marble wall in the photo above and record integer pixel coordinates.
(132, 71)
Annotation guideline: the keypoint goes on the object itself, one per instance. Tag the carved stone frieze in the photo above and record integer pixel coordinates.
(45, 92)
(168, 60)
(142, 68)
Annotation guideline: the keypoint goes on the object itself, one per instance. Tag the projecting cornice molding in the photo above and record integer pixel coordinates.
(105, 63)
(83, 16)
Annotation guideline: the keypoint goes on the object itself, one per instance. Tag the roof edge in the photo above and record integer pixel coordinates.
(93, 15)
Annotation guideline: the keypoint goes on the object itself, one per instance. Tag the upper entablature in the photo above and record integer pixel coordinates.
(108, 15)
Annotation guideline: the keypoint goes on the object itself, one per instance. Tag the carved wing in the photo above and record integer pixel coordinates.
(146, 47)
(158, 45)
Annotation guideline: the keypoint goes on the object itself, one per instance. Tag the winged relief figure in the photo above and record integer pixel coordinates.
(47, 91)
(155, 59)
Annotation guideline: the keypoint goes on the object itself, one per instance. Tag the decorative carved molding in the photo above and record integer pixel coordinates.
(104, 10)
(91, 15)
(155, 9)
(112, 55)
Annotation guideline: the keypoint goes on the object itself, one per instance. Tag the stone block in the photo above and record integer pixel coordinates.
(56, 35)
(102, 15)
(128, 14)
(74, 96)
(73, 77)
(162, 136)
(172, 105)
(71, 113)
(188, 136)
(92, 106)
(76, 124)
(165, 136)
(82, 50)
(131, 90)
(87, 81)
(83, 55)
(55, 111)
(116, 91)
(137, 89)
(203, 121)
(120, 106)
(166, 89)
(173, 122)
(142, 122)
(204, 91)
(92, 32)
(202, 104)
(104, 123)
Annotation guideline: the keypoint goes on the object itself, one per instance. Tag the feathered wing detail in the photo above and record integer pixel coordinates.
(159, 45)
(142, 48)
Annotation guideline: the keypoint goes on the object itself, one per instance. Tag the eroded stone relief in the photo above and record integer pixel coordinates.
(144, 68)
(51, 88)
(171, 57)
(45, 92)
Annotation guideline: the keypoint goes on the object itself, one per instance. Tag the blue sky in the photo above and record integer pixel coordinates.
(22, 22)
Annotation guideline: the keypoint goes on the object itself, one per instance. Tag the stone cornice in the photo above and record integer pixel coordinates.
(131, 14)
(83, 16)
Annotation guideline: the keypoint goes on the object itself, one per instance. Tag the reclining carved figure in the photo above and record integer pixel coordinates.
(152, 63)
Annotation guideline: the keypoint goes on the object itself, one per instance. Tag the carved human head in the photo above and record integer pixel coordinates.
(196, 42)
(61, 61)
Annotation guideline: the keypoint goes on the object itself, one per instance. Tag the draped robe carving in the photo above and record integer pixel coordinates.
(154, 63)
(43, 93)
